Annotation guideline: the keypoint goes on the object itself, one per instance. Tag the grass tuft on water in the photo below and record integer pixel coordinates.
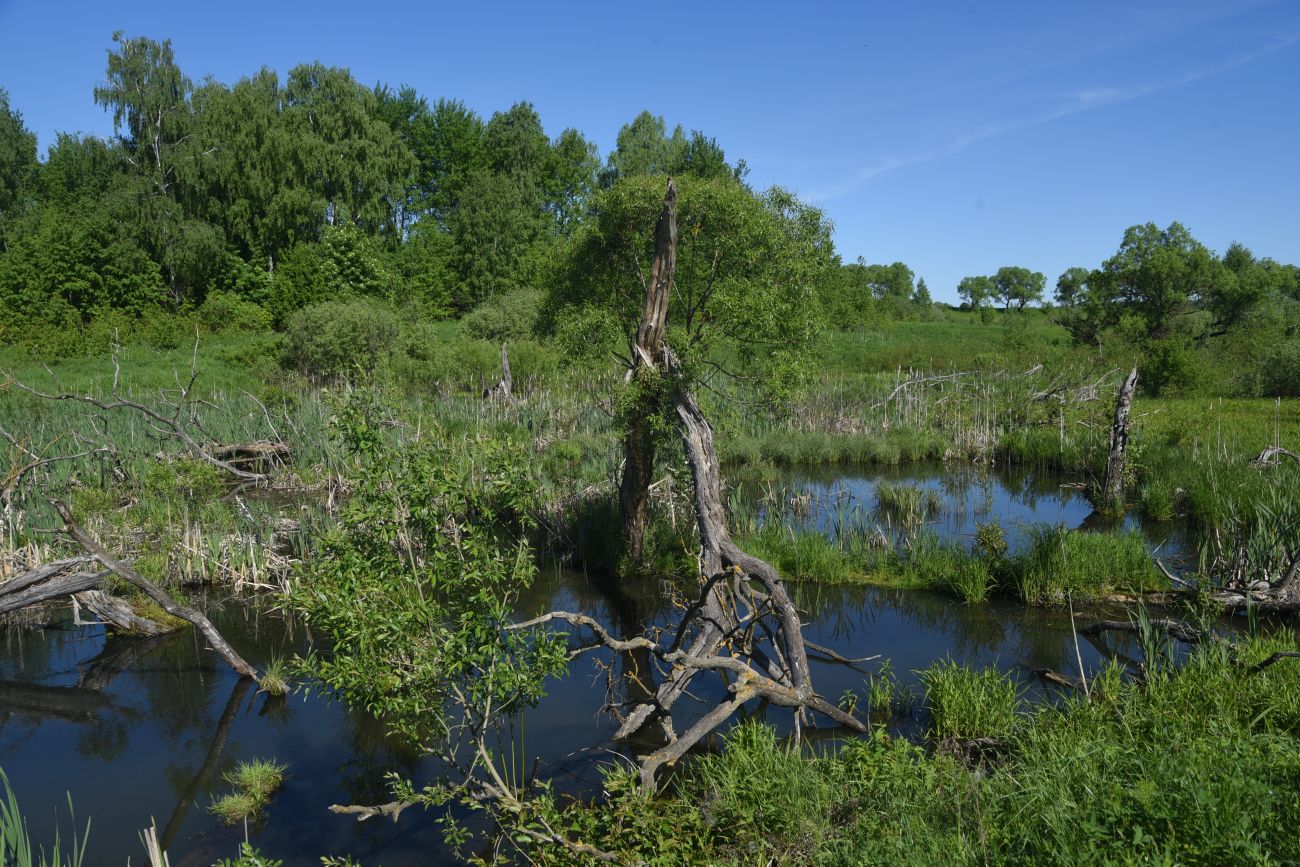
(254, 783)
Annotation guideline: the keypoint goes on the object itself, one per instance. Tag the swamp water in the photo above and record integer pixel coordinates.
(140, 730)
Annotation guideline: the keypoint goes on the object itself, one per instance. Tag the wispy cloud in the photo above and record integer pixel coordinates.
(1085, 99)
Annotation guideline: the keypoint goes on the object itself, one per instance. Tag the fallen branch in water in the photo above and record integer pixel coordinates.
(153, 591)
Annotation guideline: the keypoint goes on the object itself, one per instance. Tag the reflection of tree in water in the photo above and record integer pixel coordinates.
(32, 653)
(372, 754)
(1033, 638)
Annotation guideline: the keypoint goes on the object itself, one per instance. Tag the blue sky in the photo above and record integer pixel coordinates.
(956, 137)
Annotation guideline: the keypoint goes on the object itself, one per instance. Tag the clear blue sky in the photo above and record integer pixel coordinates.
(956, 137)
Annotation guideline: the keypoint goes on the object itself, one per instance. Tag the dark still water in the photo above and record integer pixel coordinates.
(136, 730)
(828, 497)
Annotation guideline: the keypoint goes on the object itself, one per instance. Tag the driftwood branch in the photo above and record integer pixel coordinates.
(167, 424)
(153, 591)
(1173, 628)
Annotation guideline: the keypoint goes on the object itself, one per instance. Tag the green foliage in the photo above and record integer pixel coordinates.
(748, 268)
(183, 479)
(249, 856)
(17, 160)
(415, 586)
(909, 505)
(336, 338)
(254, 783)
(226, 313)
(507, 317)
(1086, 565)
(275, 677)
(967, 704)
(1184, 768)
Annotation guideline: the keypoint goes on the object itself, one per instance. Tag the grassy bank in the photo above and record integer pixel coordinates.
(1195, 766)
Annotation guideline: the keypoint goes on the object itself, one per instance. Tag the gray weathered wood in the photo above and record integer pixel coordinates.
(153, 591)
(1113, 485)
(638, 443)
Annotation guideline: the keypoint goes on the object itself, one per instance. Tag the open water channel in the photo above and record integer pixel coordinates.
(142, 730)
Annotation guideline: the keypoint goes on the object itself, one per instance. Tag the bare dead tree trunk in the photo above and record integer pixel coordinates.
(638, 445)
(507, 383)
(1112, 486)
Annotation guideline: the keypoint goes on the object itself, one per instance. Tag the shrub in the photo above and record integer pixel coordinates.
(508, 316)
(225, 312)
(333, 338)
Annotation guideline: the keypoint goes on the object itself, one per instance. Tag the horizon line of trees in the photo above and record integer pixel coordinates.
(254, 200)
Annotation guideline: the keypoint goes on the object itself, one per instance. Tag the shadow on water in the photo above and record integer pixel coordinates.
(141, 730)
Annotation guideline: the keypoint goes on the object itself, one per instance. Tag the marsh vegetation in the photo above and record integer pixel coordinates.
(422, 448)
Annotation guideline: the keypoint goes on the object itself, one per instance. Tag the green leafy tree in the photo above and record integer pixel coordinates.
(921, 296)
(573, 180)
(455, 152)
(414, 593)
(499, 237)
(358, 163)
(1159, 276)
(1079, 311)
(148, 96)
(749, 270)
(644, 147)
(976, 292)
(1018, 286)
(256, 182)
(17, 161)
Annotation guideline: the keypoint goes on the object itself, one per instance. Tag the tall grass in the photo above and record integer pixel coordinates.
(1060, 562)
(16, 846)
(965, 703)
(1197, 766)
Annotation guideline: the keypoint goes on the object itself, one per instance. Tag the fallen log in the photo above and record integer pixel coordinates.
(52, 588)
(153, 591)
(118, 615)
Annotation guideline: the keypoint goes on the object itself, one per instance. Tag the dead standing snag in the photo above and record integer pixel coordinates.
(743, 624)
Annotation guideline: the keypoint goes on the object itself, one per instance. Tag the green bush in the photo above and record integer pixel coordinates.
(336, 337)
(226, 312)
(505, 317)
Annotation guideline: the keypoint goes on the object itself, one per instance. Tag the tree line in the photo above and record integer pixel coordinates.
(284, 192)
(249, 202)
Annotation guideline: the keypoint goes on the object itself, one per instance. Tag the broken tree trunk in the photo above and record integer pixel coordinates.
(1112, 487)
(505, 385)
(117, 614)
(153, 591)
(638, 445)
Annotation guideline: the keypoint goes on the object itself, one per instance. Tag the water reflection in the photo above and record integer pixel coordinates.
(831, 497)
(141, 729)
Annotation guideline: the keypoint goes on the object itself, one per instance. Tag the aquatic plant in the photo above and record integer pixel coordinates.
(16, 846)
(965, 703)
(254, 783)
(275, 677)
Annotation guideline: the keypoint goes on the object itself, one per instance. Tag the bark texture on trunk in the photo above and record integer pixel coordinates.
(638, 444)
(1113, 485)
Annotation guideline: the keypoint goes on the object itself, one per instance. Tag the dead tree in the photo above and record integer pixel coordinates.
(177, 418)
(1112, 487)
(742, 625)
(638, 444)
